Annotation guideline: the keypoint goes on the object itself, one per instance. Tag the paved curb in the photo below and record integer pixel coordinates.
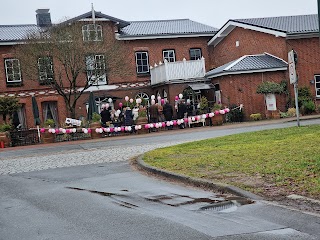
(224, 188)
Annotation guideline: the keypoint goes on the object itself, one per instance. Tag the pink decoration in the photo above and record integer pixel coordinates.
(174, 123)
(162, 101)
(122, 129)
(176, 98)
(131, 100)
(168, 124)
(111, 129)
(198, 118)
(216, 112)
(163, 124)
(126, 98)
(67, 130)
(57, 131)
(136, 127)
(221, 112)
(226, 110)
(126, 128)
(146, 126)
(120, 104)
(186, 120)
(89, 130)
(211, 114)
(189, 119)
(42, 130)
(151, 125)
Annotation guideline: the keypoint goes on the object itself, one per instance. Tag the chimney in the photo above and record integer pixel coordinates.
(43, 18)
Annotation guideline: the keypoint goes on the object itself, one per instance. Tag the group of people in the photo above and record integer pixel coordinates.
(157, 113)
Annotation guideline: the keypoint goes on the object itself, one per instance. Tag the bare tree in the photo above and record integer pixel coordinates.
(69, 61)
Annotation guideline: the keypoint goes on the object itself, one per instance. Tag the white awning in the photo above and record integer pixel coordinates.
(201, 86)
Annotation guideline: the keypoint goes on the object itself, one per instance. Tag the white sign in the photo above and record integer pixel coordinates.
(292, 67)
(271, 102)
(73, 122)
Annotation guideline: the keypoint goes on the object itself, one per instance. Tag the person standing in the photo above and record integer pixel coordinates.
(154, 114)
(182, 112)
(168, 112)
(105, 117)
(160, 112)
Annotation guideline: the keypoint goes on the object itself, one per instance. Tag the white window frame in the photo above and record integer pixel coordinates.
(195, 50)
(92, 32)
(169, 55)
(96, 64)
(15, 71)
(140, 60)
(317, 82)
(45, 72)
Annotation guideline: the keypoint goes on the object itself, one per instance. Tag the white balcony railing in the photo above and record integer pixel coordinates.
(179, 70)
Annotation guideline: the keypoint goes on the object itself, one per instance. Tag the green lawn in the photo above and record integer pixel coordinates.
(272, 162)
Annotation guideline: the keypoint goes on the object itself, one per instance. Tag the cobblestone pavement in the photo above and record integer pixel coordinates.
(75, 158)
(102, 154)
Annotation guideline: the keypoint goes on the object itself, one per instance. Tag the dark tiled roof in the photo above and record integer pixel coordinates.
(166, 27)
(288, 24)
(250, 63)
(10, 33)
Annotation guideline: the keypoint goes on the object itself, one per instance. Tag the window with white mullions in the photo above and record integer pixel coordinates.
(45, 66)
(317, 85)
(169, 55)
(13, 72)
(92, 32)
(195, 53)
(96, 70)
(142, 62)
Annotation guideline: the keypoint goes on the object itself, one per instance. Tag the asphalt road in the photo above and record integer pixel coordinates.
(109, 200)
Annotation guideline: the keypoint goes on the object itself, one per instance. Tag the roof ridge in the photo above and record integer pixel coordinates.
(162, 20)
(287, 16)
(18, 25)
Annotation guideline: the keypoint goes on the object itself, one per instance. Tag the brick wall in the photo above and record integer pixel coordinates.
(241, 89)
(250, 42)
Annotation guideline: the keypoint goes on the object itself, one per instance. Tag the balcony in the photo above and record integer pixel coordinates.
(179, 70)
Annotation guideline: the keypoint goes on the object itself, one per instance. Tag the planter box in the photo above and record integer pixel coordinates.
(142, 121)
(217, 120)
(5, 138)
(93, 127)
(47, 137)
(273, 115)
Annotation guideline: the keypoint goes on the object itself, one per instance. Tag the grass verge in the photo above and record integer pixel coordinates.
(271, 163)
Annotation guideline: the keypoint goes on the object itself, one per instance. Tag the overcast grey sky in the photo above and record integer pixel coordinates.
(211, 12)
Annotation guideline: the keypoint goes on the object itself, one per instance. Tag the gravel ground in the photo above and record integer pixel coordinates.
(75, 158)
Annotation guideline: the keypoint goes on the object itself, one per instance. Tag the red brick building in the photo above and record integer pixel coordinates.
(144, 43)
(247, 52)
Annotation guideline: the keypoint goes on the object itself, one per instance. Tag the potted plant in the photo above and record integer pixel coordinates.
(95, 123)
(46, 136)
(142, 119)
(5, 135)
(218, 117)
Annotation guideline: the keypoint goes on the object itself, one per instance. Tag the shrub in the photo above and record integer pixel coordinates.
(203, 105)
(308, 107)
(49, 123)
(271, 87)
(235, 114)
(5, 127)
(96, 117)
(255, 116)
(291, 112)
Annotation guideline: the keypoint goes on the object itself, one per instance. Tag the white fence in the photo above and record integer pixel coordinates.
(168, 71)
